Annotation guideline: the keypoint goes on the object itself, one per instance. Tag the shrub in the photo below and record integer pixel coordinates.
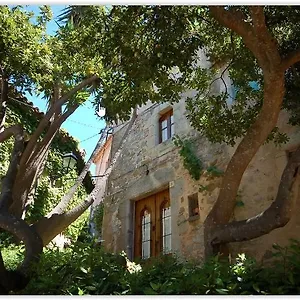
(84, 269)
(78, 270)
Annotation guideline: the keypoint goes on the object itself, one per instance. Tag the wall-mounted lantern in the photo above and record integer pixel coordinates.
(69, 162)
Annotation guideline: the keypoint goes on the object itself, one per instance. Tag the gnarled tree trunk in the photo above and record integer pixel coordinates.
(16, 280)
(262, 44)
(24, 166)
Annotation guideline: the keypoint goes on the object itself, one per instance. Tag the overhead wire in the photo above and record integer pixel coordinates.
(80, 123)
(90, 137)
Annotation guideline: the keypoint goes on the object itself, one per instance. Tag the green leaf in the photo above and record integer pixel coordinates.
(240, 203)
(155, 286)
(80, 291)
(256, 288)
(83, 270)
(222, 291)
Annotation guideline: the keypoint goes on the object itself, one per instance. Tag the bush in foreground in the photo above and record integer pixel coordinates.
(86, 270)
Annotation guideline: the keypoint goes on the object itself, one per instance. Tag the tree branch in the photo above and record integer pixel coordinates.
(257, 38)
(234, 20)
(62, 205)
(34, 165)
(277, 215)
(11, 174)
(51, 132)
(290, 59)
(44, 122)
(48, 227)
(258, 20)
(267, 43)
(22, 231)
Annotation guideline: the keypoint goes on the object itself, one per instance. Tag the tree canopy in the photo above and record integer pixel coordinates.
(257, 46)
(127, 55)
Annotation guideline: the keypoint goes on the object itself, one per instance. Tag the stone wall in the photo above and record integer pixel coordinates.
(146, 167)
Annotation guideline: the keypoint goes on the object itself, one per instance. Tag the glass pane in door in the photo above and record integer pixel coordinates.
(166, 230)
(146, 232)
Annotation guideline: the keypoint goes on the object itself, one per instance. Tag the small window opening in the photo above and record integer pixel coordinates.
(193, 207)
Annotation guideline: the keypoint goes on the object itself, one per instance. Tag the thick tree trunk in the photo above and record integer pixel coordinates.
(15, 280)
(3, 100)
(255, 137)
(277, 215)
(258, 39)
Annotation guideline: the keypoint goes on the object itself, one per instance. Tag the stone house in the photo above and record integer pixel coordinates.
(152, 204)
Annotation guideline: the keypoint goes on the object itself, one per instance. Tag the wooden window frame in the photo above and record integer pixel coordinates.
(166, 117)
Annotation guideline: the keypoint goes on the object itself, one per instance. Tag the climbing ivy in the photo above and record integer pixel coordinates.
(98, 217)
(190, 160)
(214, 171)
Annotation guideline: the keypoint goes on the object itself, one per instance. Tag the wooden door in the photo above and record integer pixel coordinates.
(152, 225)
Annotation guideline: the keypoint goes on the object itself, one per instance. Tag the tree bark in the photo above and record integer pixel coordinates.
(45, 121)
(277, 215)
(35, 152)
(3, 100)
(261, 43)
(48, 227)
(16, 280)
(62, 205)
(10, 280)
(9, 180)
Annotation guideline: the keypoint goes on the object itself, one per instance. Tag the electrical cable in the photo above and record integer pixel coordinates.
(87, 125)
(22, 102)
(89, 137)
(83, 124)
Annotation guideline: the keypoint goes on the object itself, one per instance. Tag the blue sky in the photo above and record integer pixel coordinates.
(83, 124)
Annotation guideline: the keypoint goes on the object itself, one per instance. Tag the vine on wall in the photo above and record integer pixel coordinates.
(190, 160)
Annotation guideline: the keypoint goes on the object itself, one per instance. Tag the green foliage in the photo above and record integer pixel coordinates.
(167, 275)
(85, 269)
(98, 217)
(24, 53)
(138, 49)
(80, 269)
(214, 171)
(141, 44)
(190, 160)
(12, 255)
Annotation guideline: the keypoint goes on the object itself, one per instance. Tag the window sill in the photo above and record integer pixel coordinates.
(165, 146)
(193, 218)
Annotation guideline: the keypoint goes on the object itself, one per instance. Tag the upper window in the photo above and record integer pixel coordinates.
(166, 126)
